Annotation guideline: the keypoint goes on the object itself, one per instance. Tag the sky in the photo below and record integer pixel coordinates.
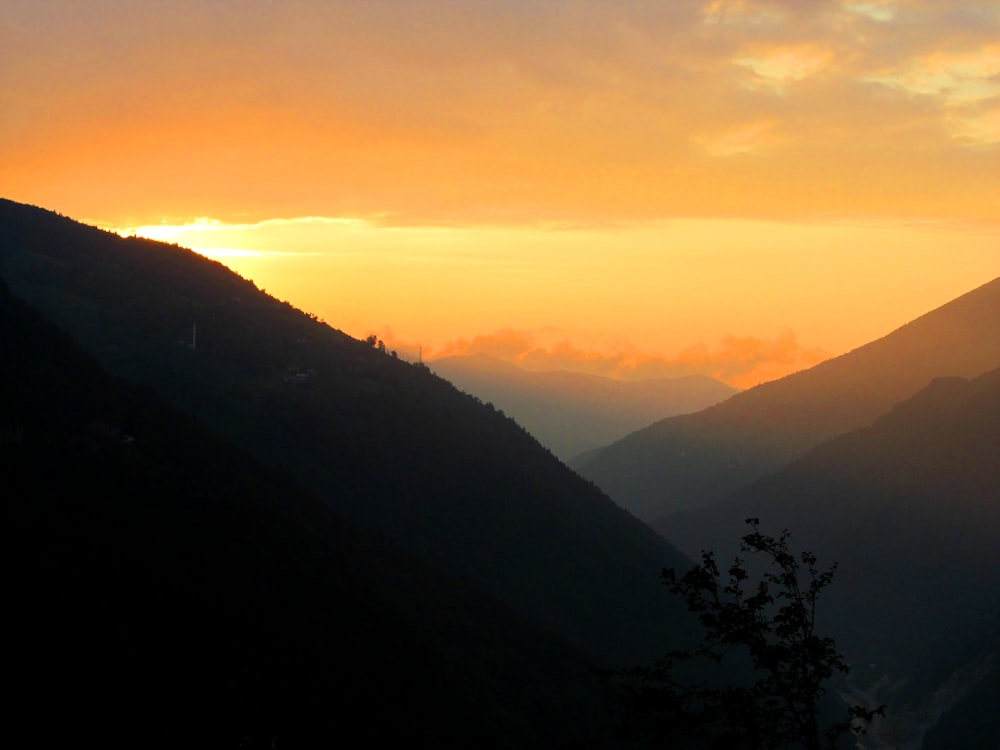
(731, 187)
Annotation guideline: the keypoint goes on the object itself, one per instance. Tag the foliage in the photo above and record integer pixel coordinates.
(772, 624)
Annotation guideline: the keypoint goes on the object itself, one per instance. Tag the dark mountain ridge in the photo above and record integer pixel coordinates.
(572, 413)
(910, 507)
(400, 451)
(694, 460)
(169, 591)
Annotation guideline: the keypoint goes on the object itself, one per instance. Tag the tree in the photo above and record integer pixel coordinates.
(769, 628)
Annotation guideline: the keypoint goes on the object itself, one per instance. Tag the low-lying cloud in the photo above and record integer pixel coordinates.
(741, 361)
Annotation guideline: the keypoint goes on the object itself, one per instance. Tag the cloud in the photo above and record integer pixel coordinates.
(507, 344)
(741, 361)
(166, 231)
(780, 66)
(958, 77)
(741, 13)
(978, 125)
(964, 84)
(484, 112)
(741, 140)
(883, 11)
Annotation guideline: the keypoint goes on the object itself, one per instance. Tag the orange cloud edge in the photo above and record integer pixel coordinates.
(739, 361)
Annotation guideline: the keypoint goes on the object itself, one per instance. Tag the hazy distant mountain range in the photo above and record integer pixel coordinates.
(693, 460)
(574, 413)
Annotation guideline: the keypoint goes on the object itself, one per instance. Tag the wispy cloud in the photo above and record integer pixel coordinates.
(958, 77)
(778, 67)
(741, 140)
(882, 11)
(741, 361)
(741, 13)
(167, 232)
(965, 83)
(428, 112)
(282, 237)
(979, 124)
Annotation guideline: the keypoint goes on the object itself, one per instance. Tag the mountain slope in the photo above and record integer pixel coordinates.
(972, 723)
(572, 413)
(694, 460)
(402, 452)
(910, 508)
(166, 590)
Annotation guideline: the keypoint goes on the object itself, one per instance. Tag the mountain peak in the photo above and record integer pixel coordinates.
(694, 460)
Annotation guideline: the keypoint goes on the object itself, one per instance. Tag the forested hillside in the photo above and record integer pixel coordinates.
(433, 475)
(168, 590)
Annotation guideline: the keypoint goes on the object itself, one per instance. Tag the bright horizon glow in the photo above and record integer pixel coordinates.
(733, 187)
(423, 287)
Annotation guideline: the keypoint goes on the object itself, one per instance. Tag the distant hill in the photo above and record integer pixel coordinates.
(694, 460)
(432, 472)
(572, 413)
(910, 508)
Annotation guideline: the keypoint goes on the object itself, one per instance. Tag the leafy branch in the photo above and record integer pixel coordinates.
(770, 622)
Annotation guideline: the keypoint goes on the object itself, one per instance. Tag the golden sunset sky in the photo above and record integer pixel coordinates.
(732, 187)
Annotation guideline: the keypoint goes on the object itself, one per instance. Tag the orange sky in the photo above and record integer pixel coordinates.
(731, 187)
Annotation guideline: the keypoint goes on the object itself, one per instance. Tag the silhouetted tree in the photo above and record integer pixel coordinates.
(772, 625)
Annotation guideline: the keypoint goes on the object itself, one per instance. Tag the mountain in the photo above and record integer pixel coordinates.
(165, 589)
(694, 460)
(573, 413)
(910, 509)
(400, 452)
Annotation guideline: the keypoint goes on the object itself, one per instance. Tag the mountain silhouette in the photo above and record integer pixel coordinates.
(398, 451)
(694, 460)
(572, 413)
(168, 590)
(910, 508)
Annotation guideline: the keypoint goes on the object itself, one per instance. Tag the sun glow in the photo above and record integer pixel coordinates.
(626, 301)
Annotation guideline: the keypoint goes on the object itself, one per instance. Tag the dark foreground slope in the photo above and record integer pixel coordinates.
(434, 472)
(694, 460)
(973, 722)
(910, 507)
(572, 413)
(166, 590)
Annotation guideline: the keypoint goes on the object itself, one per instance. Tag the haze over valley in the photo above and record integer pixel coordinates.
(574, 413)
